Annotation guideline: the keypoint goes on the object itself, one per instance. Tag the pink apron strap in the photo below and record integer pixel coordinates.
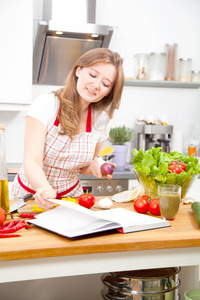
(88, 123)
(58, 196)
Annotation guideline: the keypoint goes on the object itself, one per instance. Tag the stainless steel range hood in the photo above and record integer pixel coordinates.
(57, 47)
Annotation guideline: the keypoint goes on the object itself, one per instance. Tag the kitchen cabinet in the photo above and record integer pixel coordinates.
(163, 84)
(16, 54)
(40, 254)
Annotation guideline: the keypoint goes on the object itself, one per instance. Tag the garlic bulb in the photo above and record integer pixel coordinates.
(105, 203)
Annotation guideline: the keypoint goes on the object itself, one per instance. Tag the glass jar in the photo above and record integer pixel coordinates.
(195, 76)
(184, 69)
(157, 66)
(141, 65)
(4, 199)
(171, 50)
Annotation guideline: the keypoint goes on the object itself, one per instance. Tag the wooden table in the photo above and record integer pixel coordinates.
(37, 252)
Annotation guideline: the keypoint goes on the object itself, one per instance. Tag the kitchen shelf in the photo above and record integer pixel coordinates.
(13, 107)
(163, 84)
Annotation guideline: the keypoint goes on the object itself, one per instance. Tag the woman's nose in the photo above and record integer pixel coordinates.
(96, 83)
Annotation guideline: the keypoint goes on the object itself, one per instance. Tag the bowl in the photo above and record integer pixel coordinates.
(150, 182)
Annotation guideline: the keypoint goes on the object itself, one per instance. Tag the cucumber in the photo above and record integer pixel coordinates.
(196, 210)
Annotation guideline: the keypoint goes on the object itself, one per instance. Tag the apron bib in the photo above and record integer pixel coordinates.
(63, 158)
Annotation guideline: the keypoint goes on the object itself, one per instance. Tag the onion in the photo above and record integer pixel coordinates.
(107, 169)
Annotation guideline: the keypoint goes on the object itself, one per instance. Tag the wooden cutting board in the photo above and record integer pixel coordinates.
(27, 209)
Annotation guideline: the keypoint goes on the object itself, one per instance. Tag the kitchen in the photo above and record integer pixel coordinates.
(143, 27)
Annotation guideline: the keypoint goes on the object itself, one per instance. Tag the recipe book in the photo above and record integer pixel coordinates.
(72, 220)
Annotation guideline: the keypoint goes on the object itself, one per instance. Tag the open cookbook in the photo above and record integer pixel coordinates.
(72, 220)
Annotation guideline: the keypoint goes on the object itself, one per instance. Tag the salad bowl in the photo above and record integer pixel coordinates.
(150, 182)
(154, 167)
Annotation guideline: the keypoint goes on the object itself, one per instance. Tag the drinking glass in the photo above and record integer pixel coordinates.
(169, 200)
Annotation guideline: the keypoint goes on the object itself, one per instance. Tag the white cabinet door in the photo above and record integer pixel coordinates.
(16, 51)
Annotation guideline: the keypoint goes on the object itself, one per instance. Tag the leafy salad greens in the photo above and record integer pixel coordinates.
(152, 169)
(154, 161)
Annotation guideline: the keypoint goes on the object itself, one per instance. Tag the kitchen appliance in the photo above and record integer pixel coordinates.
(58, 43)
(98, 187)
(105, 187)
(149, 135)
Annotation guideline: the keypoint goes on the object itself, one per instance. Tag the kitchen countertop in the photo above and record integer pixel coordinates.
(128, 173)
(184, 232)
(40, 254)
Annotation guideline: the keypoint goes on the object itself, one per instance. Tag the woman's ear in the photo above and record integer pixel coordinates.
(77, 71)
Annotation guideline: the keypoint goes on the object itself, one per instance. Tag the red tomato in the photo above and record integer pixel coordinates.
(2, 216)
(141, 204)
(154, 208)
(86, 200)
(177, 166)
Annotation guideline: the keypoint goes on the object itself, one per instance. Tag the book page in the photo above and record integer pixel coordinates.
(71, 222)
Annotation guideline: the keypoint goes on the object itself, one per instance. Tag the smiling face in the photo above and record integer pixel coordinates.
(95, 82)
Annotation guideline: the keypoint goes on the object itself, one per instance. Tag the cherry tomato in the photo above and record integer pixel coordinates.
(177, 166)
(154, 208)
(141, 204)
(86, 200)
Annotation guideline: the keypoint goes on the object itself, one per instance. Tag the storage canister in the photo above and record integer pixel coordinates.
(195, 76)
(141, 65)
(171, 50)
(157, 66)
(184, 69)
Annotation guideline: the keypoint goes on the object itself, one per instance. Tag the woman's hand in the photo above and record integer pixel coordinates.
(42, 194)
(96, 169)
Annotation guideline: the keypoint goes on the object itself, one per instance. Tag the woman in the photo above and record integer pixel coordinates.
(66, 129)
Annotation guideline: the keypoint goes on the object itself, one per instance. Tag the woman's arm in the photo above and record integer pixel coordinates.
(35, 133)
(94, 167)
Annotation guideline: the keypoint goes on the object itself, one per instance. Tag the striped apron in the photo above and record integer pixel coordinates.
(62, 161)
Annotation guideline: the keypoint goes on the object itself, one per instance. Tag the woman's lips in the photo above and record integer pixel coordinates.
(91, 92)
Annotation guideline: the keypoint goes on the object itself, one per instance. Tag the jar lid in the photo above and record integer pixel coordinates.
(157, 53)
(171, 44)
(185, 59)
(195, 72)
(141, 54)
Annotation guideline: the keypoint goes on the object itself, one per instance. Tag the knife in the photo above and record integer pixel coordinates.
(20, 202)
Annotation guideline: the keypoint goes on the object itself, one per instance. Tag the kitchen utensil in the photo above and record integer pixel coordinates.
(21, 202)
(108, 157)
(154, 284)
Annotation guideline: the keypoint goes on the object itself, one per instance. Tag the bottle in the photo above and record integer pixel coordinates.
(4, 199)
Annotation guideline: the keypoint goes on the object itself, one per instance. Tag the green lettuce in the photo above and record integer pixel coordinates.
(155, 161)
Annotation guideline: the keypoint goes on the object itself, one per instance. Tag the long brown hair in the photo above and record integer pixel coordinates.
(68, 96)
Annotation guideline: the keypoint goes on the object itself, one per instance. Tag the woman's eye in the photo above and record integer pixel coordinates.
(106, 85)
(92, 75)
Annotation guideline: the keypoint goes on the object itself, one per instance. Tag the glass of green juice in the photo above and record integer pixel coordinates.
(169, 200)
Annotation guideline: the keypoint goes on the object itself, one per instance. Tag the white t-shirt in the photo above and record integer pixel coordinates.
(45, 108)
